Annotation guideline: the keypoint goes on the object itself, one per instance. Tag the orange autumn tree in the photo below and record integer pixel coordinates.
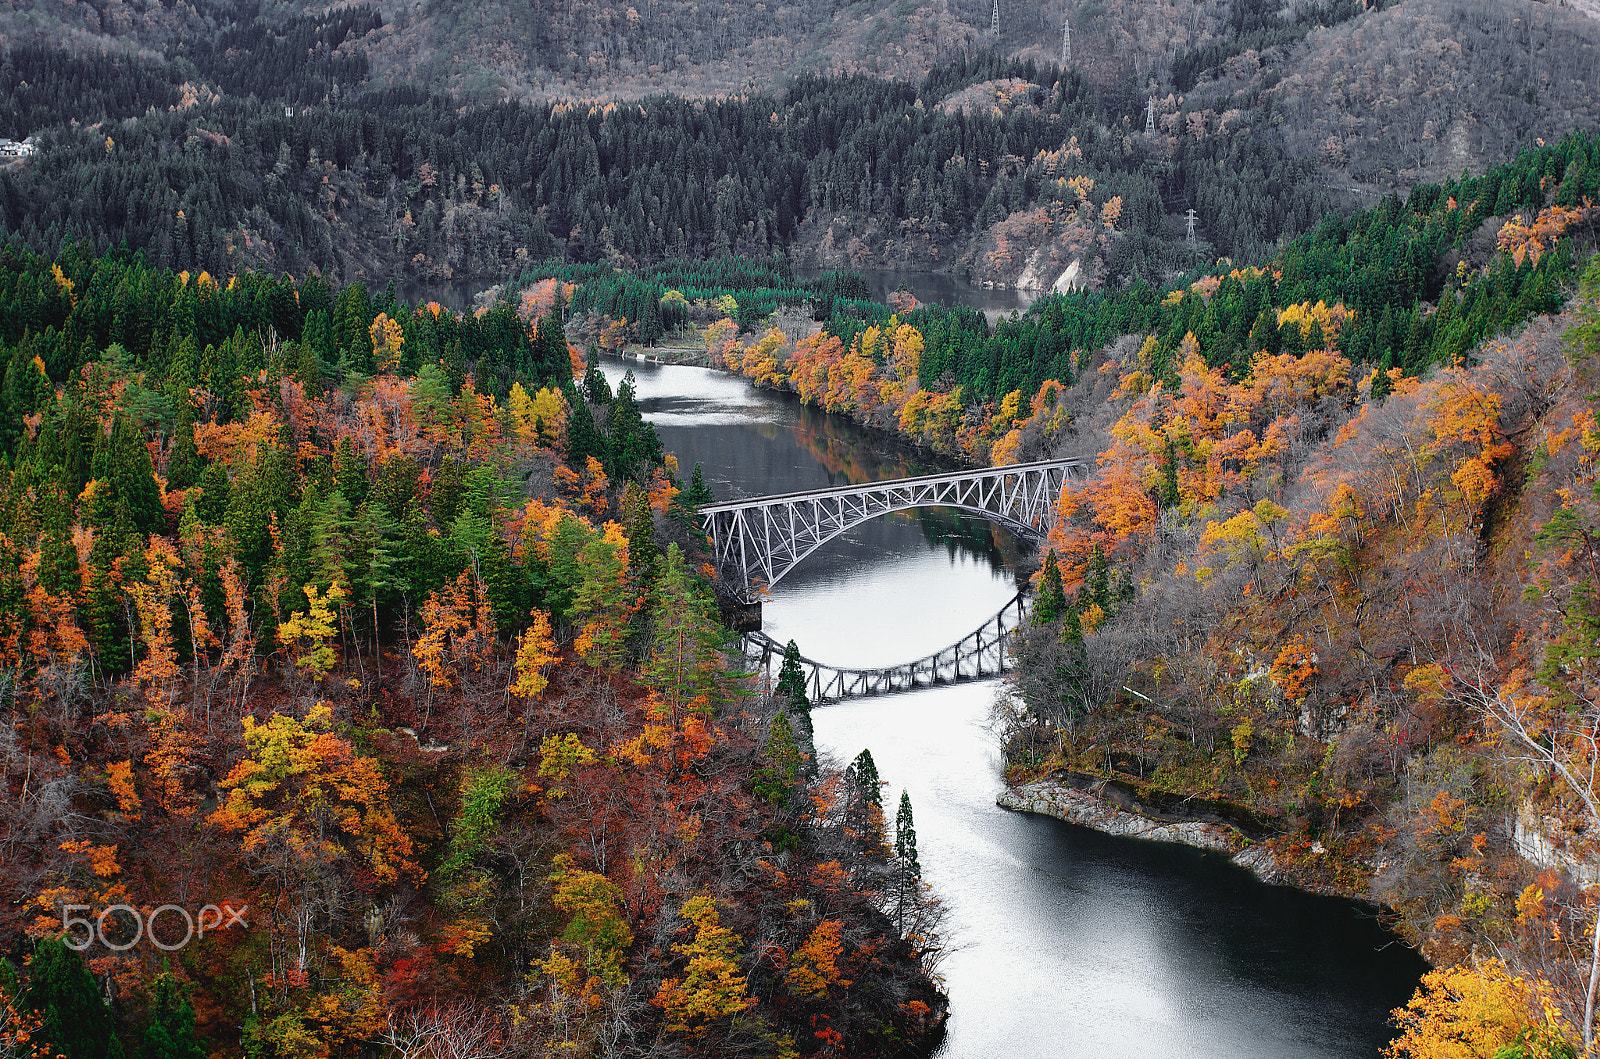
(458, 630)
(303, 787)
(814, 967)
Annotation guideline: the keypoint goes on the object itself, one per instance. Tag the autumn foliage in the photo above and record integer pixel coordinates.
(377, 648)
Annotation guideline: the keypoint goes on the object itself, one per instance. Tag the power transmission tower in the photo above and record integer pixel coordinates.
(1188, 236)
(1066, 42)
(1150, 118)
(994, 19)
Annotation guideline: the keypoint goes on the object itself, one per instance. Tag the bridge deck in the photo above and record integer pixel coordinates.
(892, 483)
(978, 655)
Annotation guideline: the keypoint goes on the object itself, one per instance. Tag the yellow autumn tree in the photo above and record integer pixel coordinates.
(387, 340)
(1482, 1012)
(539, 418)
(711, 987)
(307, 633)
(587, 960)
(536, 652)
(152, 599)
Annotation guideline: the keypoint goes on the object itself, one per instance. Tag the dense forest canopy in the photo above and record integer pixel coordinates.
(366, 630)
(398, 179)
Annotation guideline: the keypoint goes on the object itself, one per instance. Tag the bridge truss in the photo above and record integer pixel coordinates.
(756, 542)
(980, 654)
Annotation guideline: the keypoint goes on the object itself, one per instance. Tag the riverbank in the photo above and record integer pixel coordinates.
(1117, 808)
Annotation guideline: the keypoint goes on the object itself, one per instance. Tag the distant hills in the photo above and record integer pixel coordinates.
(1265, 116)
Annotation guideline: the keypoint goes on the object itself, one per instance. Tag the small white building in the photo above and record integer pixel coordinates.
(18, 148)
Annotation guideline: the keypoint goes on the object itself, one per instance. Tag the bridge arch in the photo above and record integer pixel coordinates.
(756, 542)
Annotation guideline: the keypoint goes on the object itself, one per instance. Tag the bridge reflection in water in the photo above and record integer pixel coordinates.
(976, 656)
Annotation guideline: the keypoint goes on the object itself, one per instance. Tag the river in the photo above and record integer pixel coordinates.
(1062, 942)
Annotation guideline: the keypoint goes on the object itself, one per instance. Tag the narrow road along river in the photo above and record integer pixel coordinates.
(1062, 942)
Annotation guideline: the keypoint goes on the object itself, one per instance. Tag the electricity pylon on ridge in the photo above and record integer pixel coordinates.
(1150, 118)
(1189, 236)
(994, 19)
(1066, 42)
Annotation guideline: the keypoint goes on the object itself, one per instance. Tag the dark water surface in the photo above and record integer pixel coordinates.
(1062, 942)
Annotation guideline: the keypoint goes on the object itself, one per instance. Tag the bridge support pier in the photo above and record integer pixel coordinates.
(741, 617)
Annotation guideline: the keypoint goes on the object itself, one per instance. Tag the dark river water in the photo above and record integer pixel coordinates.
(1062, 942)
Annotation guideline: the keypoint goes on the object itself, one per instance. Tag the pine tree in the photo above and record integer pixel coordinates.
(905, 837)
(1097, 579)
(1169, 493)
(123, 463)
(350, 473)
(640, 520)
(184, 464)
(1052, 600)
(779, 771)
(791, 686)
(214, 493)
(170, 1032)
(77, 1023)
(863, 816)
(550, 359)
(595, 387)
(633, 443)
(698, 492)
(583, 437)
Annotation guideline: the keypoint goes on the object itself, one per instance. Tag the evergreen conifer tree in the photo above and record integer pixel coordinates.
(583, 437)
(1052, 600)
(905, 837)
(640, 520)
(77, 1023)
(184, 465)
(595, 387)
(170, 1032)
(791, 685)
(779, 770)
(1097, 579)
(698, 492)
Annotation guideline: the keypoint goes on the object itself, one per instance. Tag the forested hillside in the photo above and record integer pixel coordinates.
(400, 183)
(361, 685)
(242, 137)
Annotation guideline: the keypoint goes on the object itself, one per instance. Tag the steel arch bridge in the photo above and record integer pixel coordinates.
(978, 655)
(756, 542)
